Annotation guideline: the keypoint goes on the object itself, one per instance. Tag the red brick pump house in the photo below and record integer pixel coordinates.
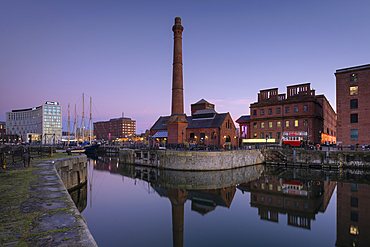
(205, 127)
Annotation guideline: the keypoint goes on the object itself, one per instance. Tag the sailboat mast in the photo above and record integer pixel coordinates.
(90, 120)
(83, 117)
(75, 125)
(69, 125)
(77, 132)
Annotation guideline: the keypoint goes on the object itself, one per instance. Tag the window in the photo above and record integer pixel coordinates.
(354, 134)
(278, 201)
(255, 198)
(354, 187)
(254, 112)
(202, 135)
(278, 110)
(354, 118)
(262, 199)
(254, 125)
(296, 109)
(287, 203)
(354, 103)
(305, 205)
(270, 111)
(255, 135)
(286, 109)
(270, 124)
(255, 185)
(262, 112)
(270, 187)
(354, 202)
(305, 122)
(262, 135)
(262, 125)
(305, 108)
(278, 124)
(353, 90)
(270, 200)
(191, 135)
(278, 135)
(296, 204)
(262, 186)
(354, 216)
(295, 123)
(270, 135)
(353, 77)
(287, 123)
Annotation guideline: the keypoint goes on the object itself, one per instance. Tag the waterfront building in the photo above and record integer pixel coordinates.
(298, 111)
(353, 105)
(2, 131)
(42, 123)
(115, 128)
(204, 127)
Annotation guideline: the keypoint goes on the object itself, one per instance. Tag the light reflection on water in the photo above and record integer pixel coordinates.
(255, 206)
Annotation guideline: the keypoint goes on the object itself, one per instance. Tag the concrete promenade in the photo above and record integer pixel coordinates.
(37, 210)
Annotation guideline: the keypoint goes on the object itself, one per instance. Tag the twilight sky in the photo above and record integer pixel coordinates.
(120, 52)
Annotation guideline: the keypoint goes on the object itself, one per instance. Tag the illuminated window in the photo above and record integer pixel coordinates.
(278, 124)
(353, 77)
(262, 186)
(287, 123)
(295, 123)
(305, 122)
(270, 124)
(353, 90)
(270, 186)
(262, 125)
(255, 135)
(254, 125)
(353, 230)
(255, 185)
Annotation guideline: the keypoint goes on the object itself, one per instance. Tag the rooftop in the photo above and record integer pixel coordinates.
(366, 66)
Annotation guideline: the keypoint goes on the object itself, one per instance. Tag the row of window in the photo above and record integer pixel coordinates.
(278, 202)
(269, 135)
(278, 124)
(278, 110)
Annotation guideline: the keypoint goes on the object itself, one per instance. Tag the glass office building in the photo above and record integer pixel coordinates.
(37, 124)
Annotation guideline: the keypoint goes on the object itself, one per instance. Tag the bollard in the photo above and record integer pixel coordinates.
(4, 160)
(26, 159)
(51, 151)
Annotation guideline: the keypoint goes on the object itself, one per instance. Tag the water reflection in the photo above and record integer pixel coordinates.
(297, 195)
(79, 197)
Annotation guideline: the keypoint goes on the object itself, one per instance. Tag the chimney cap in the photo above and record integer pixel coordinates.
(177, 21)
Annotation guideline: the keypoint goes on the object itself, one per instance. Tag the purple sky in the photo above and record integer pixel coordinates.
(120, 52)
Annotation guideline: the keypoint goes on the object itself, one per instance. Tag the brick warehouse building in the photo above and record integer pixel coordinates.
(115, 128)
(205, 126)
(299, 110)
(353, 105)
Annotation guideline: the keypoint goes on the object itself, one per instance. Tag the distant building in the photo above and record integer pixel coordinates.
(299, 111)
(42, 123)
(2, 131)
(353, 105)
(204, 127)
(115, 128)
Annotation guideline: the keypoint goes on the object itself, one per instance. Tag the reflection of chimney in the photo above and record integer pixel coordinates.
(176, 126)
(178, 198)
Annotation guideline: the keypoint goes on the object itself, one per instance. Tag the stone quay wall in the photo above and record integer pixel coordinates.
(193, 160)
(72, 171)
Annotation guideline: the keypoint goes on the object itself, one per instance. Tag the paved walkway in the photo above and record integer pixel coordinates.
(36, 209)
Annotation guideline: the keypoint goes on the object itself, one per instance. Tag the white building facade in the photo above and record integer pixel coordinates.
(37, 124)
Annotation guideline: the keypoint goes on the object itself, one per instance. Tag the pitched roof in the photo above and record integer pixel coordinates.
(202, 101)
(243, 118)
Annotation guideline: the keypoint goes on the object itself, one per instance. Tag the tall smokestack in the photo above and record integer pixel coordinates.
(176, 126)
